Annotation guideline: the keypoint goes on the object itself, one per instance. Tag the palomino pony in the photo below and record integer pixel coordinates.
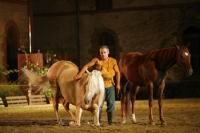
(149, 69)
(86, 93)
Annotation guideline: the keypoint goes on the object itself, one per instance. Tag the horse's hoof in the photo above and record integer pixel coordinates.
(134, 121)
(152, 123)
(163, 123)
(133, 118)
(97, 125)
(78, 125)
(60, 123)
(88, 123)
(72, 123)
(124, 122)
(94, 124)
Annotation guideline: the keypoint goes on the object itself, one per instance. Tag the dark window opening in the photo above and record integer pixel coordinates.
(12, 41)
(106, 38)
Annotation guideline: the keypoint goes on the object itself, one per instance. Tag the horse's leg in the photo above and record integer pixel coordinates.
(56, 101)
(97, 108)
(78, 115)
(96, 114)
(133, 98)
(160, 101)
(123, 82)
(29, 93)
(123, 113)
(66, 106)
(55, 105)
(124, 100)
(150, 91)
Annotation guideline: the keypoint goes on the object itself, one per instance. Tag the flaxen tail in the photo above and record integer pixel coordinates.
(35, 81)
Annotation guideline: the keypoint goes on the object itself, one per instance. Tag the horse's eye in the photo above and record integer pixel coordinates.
(181, 56)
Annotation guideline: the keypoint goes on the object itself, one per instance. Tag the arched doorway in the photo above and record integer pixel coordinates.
(12, 43)
(191, 35)
(105, 37)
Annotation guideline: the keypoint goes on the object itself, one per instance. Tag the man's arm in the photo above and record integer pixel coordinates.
(85, 67)
(116, 68)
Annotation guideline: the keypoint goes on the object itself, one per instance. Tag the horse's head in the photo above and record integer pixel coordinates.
(95, 86)
(183, 59)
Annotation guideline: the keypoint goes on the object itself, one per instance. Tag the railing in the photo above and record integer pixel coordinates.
(23, 100)
(1, 103)
(38, 99)
(16, 100)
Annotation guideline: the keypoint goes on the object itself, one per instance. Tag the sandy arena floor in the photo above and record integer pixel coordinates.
(181, 115)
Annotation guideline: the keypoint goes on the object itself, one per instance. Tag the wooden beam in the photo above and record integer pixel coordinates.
(124, 9)
(20, 2)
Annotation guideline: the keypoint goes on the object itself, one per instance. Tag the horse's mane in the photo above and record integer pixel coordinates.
(95, 84)
(164, 57)
(160, 53)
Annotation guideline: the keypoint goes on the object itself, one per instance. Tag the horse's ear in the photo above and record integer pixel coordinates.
(177, 46)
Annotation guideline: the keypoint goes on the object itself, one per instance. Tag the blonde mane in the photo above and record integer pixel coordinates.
(95, 86)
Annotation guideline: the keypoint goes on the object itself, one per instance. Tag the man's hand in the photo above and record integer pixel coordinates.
(118, 89)
(78, 76)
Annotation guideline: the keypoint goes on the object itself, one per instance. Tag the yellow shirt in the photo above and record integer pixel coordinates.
(107, 70)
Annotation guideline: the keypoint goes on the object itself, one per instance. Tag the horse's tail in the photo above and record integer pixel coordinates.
(125, 100)
(36, 82)
(43, 83)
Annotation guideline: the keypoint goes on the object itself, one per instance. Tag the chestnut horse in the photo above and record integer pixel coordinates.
(86, 93)
(149, 69)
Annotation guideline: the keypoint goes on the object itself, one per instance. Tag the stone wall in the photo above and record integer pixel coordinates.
(14, 22)
(137, 25)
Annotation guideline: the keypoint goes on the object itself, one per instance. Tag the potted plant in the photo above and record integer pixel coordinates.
(48, 94)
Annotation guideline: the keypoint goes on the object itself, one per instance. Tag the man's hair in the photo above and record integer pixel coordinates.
(104, 46)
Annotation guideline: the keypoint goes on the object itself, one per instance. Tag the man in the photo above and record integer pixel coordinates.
(109, 69)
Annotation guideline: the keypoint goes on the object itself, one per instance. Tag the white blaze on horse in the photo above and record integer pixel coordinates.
(86, 93)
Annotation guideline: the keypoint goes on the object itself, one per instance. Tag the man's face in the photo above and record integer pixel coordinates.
(104, 52)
